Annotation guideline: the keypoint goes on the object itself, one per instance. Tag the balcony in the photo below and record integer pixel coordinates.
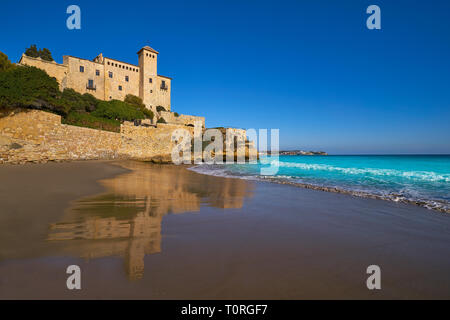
(164, 87)
(91, 86)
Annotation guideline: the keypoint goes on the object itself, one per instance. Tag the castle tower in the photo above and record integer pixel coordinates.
(148, 61)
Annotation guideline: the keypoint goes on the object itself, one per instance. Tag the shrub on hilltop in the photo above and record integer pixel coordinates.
(30, 87)
(137, 102)
(134, 100)
(117, 110)
(84, 119)
(91, 102)
(79, 102)
(148, 113)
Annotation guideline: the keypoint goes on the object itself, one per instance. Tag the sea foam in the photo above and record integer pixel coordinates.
(416, 175)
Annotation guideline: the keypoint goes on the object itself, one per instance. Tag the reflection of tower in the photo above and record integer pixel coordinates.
(144, 238)
(134, 259)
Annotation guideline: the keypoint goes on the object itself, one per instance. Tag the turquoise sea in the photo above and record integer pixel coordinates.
(419, 179)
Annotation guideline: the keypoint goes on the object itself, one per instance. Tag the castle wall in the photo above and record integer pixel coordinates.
(78, 80)
(162, 96)
(182, 119)
(120, 71)
(126, 78)
(38, 136)
(147, 143)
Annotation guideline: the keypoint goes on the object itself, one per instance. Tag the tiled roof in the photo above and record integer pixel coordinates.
(149, 49)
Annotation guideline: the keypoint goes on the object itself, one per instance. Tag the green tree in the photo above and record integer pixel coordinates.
(117, 110)
(78, 102)
(83, 119)
(161, 120)
(134, 100)
(32, 51)
(91, 102)
(5, 64)
(137, 102)
(160, 108)
(45, 54)
(30, 87)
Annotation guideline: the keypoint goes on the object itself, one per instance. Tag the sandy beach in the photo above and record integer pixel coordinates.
(146, 231)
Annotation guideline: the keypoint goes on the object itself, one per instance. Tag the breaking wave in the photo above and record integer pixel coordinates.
(415, 175)
(406, 194)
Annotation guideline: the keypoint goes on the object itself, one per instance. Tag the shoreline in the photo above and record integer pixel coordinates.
(360, 194)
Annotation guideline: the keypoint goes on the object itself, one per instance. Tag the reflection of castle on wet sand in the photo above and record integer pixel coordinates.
(126, 221)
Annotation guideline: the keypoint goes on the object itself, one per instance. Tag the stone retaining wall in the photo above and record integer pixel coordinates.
(37, 136)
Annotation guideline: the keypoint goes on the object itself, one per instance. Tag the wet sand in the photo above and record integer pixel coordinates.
(149, 231)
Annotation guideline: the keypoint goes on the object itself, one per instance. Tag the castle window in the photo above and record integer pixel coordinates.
(110, 74)
(108, 63)
(116, 65)
(126, 78)
(90, 85)
(97, 72)
(163, 85)
(150, 80)
(151, 91)
(120, 88)
(81, 69)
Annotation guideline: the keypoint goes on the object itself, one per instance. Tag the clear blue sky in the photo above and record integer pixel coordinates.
(310, 68)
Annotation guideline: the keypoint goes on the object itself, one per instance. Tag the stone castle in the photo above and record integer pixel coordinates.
(108, 79)
(38, 136)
